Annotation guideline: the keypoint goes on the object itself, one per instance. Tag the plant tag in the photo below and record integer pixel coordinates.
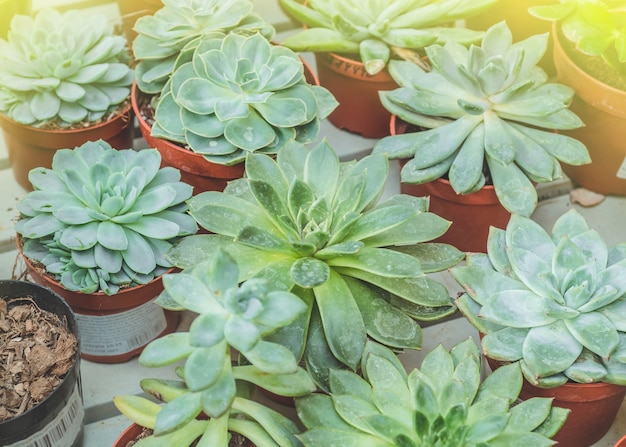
(63, 430)
(621, 172)
(120, 333)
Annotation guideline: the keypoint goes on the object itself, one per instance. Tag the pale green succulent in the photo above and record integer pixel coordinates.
(596, 27)
(184, 23)
(554, 302)
(374, 30)
(489, 112)
(229, 316)
(58, 69)
(442, 404)
(239, 94)
(102, 218)
(313, 225)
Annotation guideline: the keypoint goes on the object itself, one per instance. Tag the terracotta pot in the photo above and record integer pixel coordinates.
(130, 11)
(621, 442)
(135, 430)
(603, 110)
(360, 109)
(30, 147)
(114, 328)
(519, 21)
(594, 407)
(471, 214)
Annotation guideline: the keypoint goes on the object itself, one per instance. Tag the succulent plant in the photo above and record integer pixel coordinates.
(360, 266)
(102, 218)
(489, 112)
(58, 69)
(596, 27)
(240, 94)
(552, 302)
(228, 316)
(377, 31)
(184, 23)
(441, 404)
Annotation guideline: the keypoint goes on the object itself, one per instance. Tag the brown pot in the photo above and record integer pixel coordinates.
(594, 407)
(30, 147)
(603, 110)
(114, 328)
(360, 109)
(471, 214)
(134, 430)
(130, 11)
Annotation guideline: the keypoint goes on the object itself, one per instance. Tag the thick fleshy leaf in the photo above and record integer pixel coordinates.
(166, 350)
(550, 349)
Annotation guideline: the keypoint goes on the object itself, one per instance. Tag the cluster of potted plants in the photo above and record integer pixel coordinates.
(302, 280)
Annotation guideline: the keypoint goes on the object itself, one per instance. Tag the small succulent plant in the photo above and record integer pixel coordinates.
(552, 302)
(229, 316)
(441, 404)
(375, 30)
(183, 24)
(489, 111)
(240, 94)
(102, 218)
(58, 69)
(596, 27)
(360, 266)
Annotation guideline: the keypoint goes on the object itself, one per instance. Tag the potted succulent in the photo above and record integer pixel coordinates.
(486, 116)
(213, 395)
(65, 79)
(360, 266)
(353, 42)
(40, 371)
(554, 303)
(443, 403)
(215, 112)
(589, 57)
(95, 229)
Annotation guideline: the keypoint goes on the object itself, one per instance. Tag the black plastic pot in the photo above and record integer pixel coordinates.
(58, 420)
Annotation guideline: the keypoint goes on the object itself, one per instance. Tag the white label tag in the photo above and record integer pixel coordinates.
(62, 430)
(120, 333)
(621, 172)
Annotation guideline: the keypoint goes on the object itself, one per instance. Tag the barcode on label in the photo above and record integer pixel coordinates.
(146, 336)
(62, 430)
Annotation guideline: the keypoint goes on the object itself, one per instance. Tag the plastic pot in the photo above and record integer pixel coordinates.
(360, 109)
(58, 419)
(30, 147)
(114, 328)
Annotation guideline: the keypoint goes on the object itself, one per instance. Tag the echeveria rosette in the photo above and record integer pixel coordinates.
(487, 110)
(58, 69)
(359, 266)
(443, 403)
(596, 27)
(377, 31)
(240, 94)
(102, 218)
(229, 316)
(182, 24)
(554, 302)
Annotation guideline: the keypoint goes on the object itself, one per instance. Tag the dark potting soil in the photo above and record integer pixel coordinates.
(37, 352)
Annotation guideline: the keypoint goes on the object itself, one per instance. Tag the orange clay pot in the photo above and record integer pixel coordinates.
(603, 110)
(114, 328)
(30, 147)
(360, 109)
(471, 214)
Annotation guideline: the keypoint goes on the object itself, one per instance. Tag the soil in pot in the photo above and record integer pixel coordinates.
(40, 395)
(30, 147)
